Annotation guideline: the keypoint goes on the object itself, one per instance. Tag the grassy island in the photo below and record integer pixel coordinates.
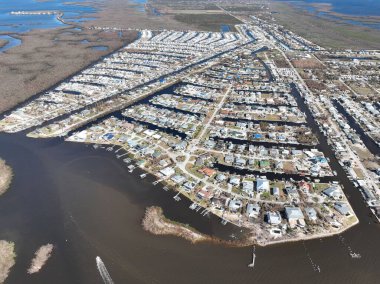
(5, 176)
(7, 259)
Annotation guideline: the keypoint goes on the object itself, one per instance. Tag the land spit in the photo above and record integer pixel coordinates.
(7, 259)
(156, 223)
(41, 256)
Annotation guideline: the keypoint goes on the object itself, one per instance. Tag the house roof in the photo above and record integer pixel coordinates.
(293, 213)
(342, 208)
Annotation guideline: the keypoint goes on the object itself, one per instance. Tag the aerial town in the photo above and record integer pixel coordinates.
(258, 127)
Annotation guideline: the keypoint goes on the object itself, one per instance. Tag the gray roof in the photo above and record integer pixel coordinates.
(342, 208)
(310, 212)
(332, 191)
(293, 213)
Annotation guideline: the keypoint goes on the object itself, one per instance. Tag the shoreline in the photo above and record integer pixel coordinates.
(260, 233)
(155, 222)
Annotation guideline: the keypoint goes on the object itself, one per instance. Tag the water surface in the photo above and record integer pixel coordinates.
(354, 8)
(73, 11)
(11, 42)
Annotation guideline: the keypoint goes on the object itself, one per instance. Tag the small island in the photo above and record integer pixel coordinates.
(41, 256)
(7, 259)
(5, 176)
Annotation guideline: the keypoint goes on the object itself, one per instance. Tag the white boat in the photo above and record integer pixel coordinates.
(252, 265)
(355, 255)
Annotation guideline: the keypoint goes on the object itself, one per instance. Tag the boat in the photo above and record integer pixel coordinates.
(252, 265)
(355, 255)
(193, 206)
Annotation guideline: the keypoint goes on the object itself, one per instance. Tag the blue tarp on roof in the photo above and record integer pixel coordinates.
(108, 136)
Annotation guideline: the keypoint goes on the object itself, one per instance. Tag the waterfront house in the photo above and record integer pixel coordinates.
(253, 210)
(262, 185)
(294, 216)
(207, 171)
(234, 205)
(229, 159)
(205, 194)
(311, 214)
(178, 179)
(235, 180)
(248, 186)
(342, 208)
(167, 172)
(334, 192)
(220, 177)
(240, 162)
(189, 186)
(273, 218)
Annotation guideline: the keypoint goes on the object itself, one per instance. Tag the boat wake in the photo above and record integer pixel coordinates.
(350, 251)
(315, 267)
(103, 271)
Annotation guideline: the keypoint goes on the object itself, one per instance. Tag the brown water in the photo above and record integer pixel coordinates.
(86, 203)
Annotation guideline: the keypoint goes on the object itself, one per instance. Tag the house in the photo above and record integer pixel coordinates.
(180, 146)
(235, 204)
(178, 179)
(334, 192)
(304, 187)
(253, 210)
(264, 164)
(235, 180)
(294, 216)
(273, 218)
(167, 172)
(262, 185)
(189, 185)
(207, 171)
(200, 161)
(275, 191)
(205, 193)
(342, 208)
(229, 159)
(248, 186)
(291, 191)
(240, 162)
(311, 214)
(210, 144)
(220, 177)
